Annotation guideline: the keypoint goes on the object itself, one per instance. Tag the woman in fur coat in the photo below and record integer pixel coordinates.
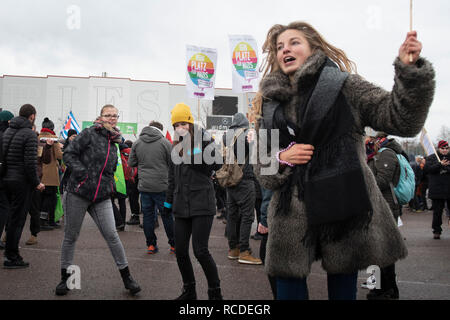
(326, 204)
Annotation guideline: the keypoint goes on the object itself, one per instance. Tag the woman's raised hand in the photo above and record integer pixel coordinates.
(410, 46)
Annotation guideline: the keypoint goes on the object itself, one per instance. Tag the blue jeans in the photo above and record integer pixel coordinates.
(340, 287)
(151, 202)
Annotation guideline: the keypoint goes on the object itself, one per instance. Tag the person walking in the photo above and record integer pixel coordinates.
(386, 169)
(326, 204)
(131, 181)
(44, 156)
(242, 197)
(190, 196)
(438, 172)
(50, 175)
(151, 155)
(92, 159)
(20, 179)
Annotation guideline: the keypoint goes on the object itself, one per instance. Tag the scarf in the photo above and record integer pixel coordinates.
(332, 184)
(48, 131)
(113, 132)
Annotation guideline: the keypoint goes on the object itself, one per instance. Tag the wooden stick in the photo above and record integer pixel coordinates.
(410, 24)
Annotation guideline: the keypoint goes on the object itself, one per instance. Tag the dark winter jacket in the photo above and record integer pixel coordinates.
(240, 122)
(92, 159)
(151, 154)
(3, 126)
(191, 189)
(401, 112)
(21, 159)
(438, 177)
(386, 169)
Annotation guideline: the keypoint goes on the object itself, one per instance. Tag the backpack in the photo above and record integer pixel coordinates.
(129, 173)
(231, 173)
(405, 188)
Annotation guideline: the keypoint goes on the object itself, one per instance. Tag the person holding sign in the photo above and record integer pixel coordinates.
(326, 204)
(92, 159)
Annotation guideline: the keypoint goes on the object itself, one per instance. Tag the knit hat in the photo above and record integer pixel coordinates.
(71, 132)
(182, 113)
(48, 124)
(442, 144)
(5, 115)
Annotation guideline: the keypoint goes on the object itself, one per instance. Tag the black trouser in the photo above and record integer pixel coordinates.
(388, 280)
(49, 201)
(4, 209)
(19, 196)
(35, 212)
(438, 208)
(133, 197)
(199, 227)
(262, 255)
(121, 213)
(241, 210)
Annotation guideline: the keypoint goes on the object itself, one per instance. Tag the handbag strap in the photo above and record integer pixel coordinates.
(231, 146)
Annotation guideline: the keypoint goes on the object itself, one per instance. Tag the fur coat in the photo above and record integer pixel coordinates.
(401, 112)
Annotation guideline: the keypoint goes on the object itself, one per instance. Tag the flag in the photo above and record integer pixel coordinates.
(427, 145)
(168, 137)
(71, 123)
(119, 177)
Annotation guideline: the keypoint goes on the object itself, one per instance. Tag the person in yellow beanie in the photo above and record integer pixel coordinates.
(182, 113)
(193, 205)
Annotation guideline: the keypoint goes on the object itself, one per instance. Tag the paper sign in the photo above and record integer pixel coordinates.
(244, 58)
(200, 75)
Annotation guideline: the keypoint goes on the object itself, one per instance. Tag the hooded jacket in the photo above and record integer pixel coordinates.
(240, 122)
(92, 159)
(21, 159)
(401, 112)
(151, 155)
(386, 170)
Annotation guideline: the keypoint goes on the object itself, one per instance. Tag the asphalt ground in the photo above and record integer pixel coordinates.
(423, 275)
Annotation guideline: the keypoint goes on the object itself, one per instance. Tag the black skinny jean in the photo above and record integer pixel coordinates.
(19, 196)
(200, 228)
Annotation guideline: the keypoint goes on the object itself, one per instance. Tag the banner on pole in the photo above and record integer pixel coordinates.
(200, 74)
(244, 57)
(427, 145)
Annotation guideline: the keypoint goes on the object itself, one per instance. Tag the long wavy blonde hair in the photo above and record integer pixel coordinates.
(316, 41)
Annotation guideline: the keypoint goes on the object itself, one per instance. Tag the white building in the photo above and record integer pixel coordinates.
(138, 101)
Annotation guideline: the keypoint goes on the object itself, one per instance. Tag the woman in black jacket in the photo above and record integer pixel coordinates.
(191, 199)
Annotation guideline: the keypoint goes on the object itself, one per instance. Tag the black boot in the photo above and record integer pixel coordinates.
(188, 293)
(214, 294)
(61, 288)
(129, 282)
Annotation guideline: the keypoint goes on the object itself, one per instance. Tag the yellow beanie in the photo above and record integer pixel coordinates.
(182, 113)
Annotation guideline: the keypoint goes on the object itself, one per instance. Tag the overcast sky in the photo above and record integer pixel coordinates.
(146, 39)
